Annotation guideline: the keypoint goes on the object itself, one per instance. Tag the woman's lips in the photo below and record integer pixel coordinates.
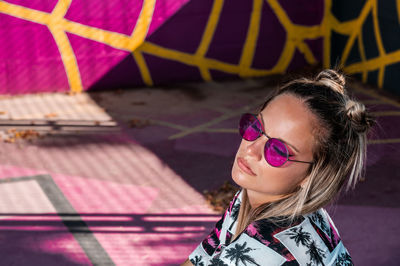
(245, 168)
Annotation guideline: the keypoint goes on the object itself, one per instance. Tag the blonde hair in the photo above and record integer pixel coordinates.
(339, 153)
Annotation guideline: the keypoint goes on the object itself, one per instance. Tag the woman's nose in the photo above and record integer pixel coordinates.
(256, 148)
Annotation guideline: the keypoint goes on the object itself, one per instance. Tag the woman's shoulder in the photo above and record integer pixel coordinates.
(312, 239)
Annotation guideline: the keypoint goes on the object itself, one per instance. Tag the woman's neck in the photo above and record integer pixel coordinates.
(256, 198)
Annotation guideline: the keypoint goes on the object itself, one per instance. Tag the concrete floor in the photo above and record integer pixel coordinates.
(117, 177)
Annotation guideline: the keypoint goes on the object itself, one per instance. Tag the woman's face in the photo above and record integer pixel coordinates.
(287, 118)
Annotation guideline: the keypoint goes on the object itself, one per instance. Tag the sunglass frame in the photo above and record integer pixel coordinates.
(261, 132)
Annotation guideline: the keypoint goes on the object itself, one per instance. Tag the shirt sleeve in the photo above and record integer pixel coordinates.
(204, 251)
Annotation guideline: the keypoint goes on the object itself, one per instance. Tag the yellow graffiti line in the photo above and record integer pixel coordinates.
(292, 40)
(326, 25)
(356, 30)
(295, 32)
(383, 141)
(386, 113)
(116, 40)
(362, 54)
(345, 28)
(366, 102)
(67, 54)
(306, 51)
(190, 59)
(208, 35)
(113, 39)
(376, 29)
(281, 14)
(398, 9)
(378, 38)
(61, 8)
(250, 44)
(24, 13)
(374, 63)
(210, 28)
(326, 60)
(285, 58)
(295, 35)
(298, 32)
(142, 24)
(251, 72)
(144, 71)
(184, 58)
(205, 73)
(381, 76)
(64, 47)
(68, 58)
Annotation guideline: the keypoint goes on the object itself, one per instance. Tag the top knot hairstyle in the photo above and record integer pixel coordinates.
(339, 152)
(331, 78)
(354, 110)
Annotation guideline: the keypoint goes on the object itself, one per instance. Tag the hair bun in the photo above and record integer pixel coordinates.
(361, 121)
(332, 79)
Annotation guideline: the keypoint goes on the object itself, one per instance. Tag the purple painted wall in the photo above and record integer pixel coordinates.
(76, 45)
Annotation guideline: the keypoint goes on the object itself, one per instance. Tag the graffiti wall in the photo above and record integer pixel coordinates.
(367, 42)
(76, 45)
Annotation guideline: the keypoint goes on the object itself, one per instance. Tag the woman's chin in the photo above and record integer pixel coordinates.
(236, 182)
(239, 178)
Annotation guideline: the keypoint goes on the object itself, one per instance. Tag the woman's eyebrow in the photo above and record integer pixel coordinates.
(263, 123)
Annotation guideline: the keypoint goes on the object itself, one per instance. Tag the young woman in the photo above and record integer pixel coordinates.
(307, 142)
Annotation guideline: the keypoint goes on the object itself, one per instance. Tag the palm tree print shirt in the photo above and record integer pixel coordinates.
(311, 240)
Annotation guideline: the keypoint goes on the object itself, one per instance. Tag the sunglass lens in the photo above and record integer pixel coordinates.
(275, 152)
(249, 127)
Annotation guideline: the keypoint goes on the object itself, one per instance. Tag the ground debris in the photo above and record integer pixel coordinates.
(138, 103)
(97, 97)
(119, 92)
(12, 135)
(50, 115)
(220, 198)
(139, 123)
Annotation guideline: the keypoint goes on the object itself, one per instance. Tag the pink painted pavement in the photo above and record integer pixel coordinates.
(132, 195)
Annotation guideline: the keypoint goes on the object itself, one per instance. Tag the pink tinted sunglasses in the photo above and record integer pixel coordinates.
(276, 152)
